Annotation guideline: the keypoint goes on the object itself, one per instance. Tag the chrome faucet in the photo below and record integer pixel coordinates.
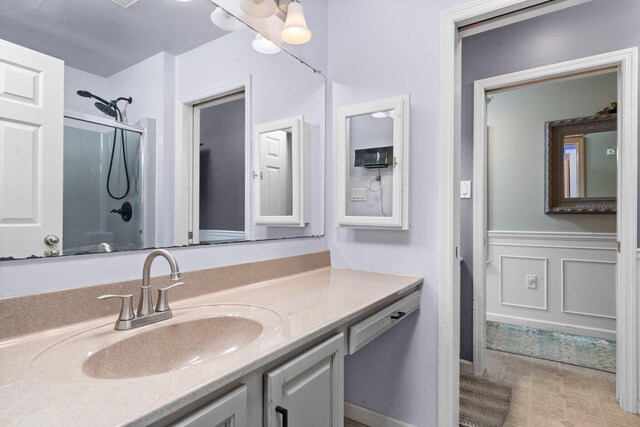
(146, 313)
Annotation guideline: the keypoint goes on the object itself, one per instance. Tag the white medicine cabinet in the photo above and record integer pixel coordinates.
(373, 164)
(280, 173)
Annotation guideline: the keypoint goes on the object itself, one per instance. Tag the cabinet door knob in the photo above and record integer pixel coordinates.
(285, 415)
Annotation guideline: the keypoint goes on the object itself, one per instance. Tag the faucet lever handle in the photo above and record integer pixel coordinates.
(163, 301)
(126, 311)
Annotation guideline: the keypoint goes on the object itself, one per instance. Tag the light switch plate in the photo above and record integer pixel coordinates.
(465, 189)
(532, 281)
(358, 194)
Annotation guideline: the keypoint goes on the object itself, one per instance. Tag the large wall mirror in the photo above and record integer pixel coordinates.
(130, 125)
(581, 165)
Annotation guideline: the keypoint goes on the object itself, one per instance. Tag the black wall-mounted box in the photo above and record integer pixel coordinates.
(371, 158)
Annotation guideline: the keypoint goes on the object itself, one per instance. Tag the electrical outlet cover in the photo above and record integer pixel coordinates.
(532, 281)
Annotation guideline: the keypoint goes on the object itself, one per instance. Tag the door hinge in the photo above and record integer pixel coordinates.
(618, 245)
(456, 252)
(190, 235)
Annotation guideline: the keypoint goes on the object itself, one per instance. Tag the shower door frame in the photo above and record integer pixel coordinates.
(142, 131)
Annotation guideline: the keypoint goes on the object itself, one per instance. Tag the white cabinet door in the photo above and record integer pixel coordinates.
(229, 410)
(31, 156)
(309, 390)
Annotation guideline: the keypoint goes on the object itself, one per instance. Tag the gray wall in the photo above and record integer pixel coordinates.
(222, 171)
(588, 29)
(516, 119)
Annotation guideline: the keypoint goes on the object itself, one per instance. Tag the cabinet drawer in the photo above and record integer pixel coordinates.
(364, 332)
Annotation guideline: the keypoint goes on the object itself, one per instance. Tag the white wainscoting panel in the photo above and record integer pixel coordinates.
(575, 274)
(512, 276)
(586, 288)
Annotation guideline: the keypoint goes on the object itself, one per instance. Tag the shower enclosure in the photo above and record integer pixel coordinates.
(102, 181)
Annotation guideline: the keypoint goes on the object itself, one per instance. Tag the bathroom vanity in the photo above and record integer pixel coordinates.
(268, 353)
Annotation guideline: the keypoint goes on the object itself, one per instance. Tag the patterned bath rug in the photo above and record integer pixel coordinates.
(588, 352)
(483, 403)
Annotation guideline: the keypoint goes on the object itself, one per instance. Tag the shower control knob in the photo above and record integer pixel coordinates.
(51, 240)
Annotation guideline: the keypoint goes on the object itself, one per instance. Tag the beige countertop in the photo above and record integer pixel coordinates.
(41, 382)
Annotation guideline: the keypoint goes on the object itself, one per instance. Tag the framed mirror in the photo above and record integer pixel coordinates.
(143, 138)
(280, 157)
(372, 164)
(581, 165)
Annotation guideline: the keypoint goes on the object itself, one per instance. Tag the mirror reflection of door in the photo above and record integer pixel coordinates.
(276, 173)
(574, 166)
(219, 135)
(590, 165)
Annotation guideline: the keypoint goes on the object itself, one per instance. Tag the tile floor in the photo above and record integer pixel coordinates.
(555, 394)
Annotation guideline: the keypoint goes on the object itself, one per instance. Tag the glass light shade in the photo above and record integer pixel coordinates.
(295, 29)
(264, 45)
(223, 20)
(258, 8)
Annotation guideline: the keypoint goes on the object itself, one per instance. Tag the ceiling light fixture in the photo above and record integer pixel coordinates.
(382, 115)
(264, 45)
(295, 29)
(225, 21)
(258, 8)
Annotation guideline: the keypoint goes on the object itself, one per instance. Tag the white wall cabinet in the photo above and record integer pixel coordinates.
(308, 390)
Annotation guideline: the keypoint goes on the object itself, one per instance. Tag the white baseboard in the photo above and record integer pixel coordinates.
(371, 418)
(552, 326)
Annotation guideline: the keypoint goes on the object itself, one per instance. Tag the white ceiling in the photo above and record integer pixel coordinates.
(101, 37)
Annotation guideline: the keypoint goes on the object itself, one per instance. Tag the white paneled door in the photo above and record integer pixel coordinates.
(31, 157)
(275, 174)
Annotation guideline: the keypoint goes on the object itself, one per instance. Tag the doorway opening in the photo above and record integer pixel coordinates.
(453, 24)
(550, 170)
(218, 169)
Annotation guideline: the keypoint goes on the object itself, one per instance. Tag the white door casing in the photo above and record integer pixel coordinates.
(626, 277)
(31, 150)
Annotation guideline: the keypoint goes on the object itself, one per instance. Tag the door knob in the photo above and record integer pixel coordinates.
(51, 240)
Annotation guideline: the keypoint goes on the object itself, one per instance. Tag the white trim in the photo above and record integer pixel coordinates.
(587, 261)
(299, 172)
(371, 418)
(534, 11)
(546, 282)
(608, 334)
(449, 224)
(112, 123)
(552, 235)
(184, 191)
(627, 293)
(220, 235)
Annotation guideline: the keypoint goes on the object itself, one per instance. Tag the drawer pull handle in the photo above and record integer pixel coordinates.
(285, 415)
(400, 315)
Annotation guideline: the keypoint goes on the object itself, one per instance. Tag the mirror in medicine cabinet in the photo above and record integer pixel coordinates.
(280, 172)
(372, 164)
